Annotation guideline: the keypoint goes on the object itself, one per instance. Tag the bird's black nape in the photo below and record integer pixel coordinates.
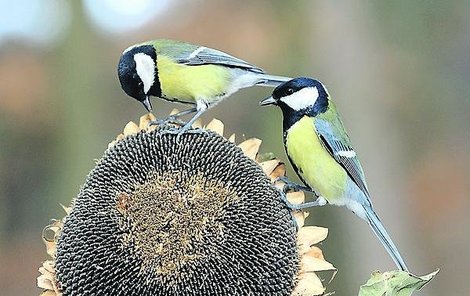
(130, 81)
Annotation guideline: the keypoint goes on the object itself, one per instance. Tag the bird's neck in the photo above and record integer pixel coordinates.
(290, 118)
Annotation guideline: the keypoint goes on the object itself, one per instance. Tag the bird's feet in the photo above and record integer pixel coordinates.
(186, 129)
(179, 131)
(291, 186)
(319, 202)
(165, 121)
(298, 207)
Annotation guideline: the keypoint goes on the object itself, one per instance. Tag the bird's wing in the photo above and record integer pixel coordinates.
(336, 141)
(202, 56)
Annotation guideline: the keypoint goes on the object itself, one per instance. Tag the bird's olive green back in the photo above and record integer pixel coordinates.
(173, 49)
(334, 136)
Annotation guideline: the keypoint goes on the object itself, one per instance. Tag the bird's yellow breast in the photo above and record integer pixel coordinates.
(315, 164)
(187, 83)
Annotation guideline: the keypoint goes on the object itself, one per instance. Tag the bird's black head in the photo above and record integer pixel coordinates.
(301, 94)
(138, 74)
(298, 97)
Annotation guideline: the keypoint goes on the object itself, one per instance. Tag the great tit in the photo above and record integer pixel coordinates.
(186, 73)
(321, 153)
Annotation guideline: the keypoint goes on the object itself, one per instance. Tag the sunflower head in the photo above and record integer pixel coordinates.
(193, 216)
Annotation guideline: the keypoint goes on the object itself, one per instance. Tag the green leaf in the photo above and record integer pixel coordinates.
(394, 283)
(266, 156)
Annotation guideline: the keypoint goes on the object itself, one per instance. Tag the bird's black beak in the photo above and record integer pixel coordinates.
(268, 101)
(147, 104)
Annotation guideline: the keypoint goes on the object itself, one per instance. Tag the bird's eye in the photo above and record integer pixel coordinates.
(290, 91)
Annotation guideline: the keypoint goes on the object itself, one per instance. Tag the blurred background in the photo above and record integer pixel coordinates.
(399, 71)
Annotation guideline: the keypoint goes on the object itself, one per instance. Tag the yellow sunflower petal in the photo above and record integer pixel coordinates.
(131, 128)
(197, 123)
(250, 147)
(269, 166)
(279, 171)
(316, 252)
(312, 235)
(48, 293)
(311, 264)
(299, 219)
(296, 198)
(216, 126)
(145, 119)
(309, 285)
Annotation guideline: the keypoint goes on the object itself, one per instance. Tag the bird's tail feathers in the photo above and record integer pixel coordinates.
(384, 238)
(271, 80)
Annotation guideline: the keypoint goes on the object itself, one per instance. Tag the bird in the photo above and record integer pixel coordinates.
(321, 153)
(186, 73)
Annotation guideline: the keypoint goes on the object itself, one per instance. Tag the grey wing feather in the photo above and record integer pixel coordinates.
(204, 56)
(337, 142)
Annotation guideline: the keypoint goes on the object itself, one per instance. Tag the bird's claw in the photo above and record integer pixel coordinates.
(153, 122)
(166, 121)
(179, 131)
(291, 186)
(183, 130)
(198, 131)
(171, 131)
(174, 120)
(319, 202)
(291, 207)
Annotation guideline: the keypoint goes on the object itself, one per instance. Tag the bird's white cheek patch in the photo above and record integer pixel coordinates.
(302, 99)
(145, 67)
